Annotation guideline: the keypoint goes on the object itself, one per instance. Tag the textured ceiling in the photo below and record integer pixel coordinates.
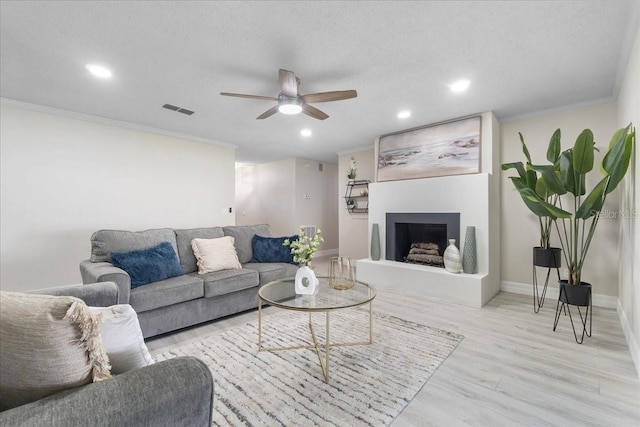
(521, 57)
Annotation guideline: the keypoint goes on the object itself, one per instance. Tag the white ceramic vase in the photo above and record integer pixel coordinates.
(306, 281)
(452, 258)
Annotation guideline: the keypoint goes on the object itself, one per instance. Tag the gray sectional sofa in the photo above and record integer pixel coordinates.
(191, 298)
(174, 392)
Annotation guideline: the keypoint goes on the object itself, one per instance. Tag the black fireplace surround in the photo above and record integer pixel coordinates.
(403, 229)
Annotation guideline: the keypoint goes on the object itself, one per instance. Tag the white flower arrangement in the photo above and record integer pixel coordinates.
(351, 174)
(304, 248)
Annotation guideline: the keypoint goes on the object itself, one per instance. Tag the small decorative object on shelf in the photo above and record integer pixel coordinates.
(303, 250)
(357, 196)
(452, 260)
(469, 257)
(375, 242)
(341, 273)
(351, 173)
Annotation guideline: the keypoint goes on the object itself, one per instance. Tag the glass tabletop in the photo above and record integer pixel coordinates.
(281, 293)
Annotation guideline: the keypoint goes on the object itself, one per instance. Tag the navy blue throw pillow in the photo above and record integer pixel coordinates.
(270, 249)
(150, 265)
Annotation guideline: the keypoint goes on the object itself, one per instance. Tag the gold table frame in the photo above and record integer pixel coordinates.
(327, 345)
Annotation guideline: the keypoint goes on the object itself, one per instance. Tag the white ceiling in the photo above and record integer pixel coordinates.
(521, 57)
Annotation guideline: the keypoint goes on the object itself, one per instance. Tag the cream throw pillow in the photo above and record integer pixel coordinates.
(215, 254)
(47, 344)
(122, 338)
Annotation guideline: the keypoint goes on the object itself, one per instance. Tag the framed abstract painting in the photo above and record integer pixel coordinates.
(441, 149)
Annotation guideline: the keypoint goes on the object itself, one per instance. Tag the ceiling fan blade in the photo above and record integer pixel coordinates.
(288, 83)
(313, 112)
(337, 95)
(239, 95)
(270, 112)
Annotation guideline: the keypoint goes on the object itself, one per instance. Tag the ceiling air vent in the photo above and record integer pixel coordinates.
(177, 109)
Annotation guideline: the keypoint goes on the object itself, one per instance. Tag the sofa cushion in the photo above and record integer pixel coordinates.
(268, 272)
(166, 292)
(122, 338)
(243, 235)
(227, 281)
(47, 344)
(183, 240)
(215, 254)
(271, 249)
(149, 265)
(103, 242)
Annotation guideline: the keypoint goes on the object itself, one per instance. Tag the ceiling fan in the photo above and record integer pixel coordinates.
(290, 101)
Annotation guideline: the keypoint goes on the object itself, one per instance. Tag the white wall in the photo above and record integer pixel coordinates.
(64, 178)
(265, 194)
(629, 250)
(330, 223)
(287, 194)
(315, 199)
(520, 229)
(354, 226)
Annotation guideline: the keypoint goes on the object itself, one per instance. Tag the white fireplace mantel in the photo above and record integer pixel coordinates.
(475, 197)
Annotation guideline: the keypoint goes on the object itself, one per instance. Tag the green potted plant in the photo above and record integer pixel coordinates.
(544, 255)
(567, 176)
(577, 218)
(528, 178)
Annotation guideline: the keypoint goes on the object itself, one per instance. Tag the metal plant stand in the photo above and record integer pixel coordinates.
(588, 314)
(538, 298)
(549, 258)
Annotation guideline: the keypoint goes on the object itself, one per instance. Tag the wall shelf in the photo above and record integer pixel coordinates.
(356, 196)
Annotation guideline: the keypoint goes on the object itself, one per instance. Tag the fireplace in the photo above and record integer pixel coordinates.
(420, 238)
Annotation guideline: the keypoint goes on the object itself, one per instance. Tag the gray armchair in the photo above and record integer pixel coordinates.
(175, 392)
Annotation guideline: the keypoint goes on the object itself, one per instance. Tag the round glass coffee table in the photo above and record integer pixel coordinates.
(282, 294)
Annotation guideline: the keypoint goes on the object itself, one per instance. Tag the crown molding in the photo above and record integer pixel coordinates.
(110, 122)
(356, 150)
(556, 110)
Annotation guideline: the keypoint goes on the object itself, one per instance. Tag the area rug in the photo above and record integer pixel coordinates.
(369, 385)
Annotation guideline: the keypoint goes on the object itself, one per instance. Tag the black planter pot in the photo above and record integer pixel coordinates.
(545, 258)
(550, 258)
(579, 295)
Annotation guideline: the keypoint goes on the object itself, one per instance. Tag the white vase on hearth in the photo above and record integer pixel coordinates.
(452, 258)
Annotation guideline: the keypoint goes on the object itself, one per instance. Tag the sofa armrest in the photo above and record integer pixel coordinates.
(175, 392)
(103, 294)
(93, 272)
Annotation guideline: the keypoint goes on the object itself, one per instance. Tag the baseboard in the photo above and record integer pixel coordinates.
(634, 349)
(327, 252)
(599, 300)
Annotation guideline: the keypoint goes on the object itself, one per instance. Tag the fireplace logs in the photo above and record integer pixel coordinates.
(425, 253)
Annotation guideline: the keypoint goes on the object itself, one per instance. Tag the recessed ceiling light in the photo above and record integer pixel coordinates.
(305, 132)
(99, 71)
(404, 114)
(460, 86)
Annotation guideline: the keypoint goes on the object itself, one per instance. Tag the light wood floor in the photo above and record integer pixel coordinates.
(511, 369)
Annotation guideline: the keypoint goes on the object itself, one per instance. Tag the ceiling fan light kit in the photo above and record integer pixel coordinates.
(290, 101)
(289, 106)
